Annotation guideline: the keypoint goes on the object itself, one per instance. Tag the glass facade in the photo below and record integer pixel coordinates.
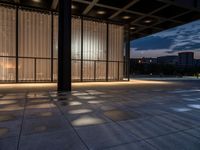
(29, 47)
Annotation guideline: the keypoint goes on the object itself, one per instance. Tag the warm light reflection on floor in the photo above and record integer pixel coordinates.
(80, 111)
(39, 106)
(48, 86)
(5, 102)
(131, 82)
(87, 120)
(11, 108)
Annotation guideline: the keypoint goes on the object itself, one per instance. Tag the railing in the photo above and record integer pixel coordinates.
(35, 69)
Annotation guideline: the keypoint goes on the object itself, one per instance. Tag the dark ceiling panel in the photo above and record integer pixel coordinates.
(146, 6)
(78, 8)
(189, 17)
(101, 12)
(170, 11)
(186, 2)
(115, 3)
(8, 1)
(167, 25)
(88, 0)
(145, 24)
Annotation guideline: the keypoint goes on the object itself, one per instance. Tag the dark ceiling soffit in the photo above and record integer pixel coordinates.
(48, 11)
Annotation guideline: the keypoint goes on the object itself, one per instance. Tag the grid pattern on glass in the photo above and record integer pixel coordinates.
(7, 69)
(7, 31)
(7, 44)
(27, 69)
(94, 56)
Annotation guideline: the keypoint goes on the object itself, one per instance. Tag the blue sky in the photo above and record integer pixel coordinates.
(169, 42)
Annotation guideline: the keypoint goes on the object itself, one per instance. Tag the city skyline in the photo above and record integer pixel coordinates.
(170, 42)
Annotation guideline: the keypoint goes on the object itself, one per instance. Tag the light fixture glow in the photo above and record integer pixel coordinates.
(73, 7)
(126, 17)
(100, 12)
(132, 28)
(148, 21)
(37, 1)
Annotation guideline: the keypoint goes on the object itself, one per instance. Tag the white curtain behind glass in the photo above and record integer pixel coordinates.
(34, 44)
(7, 43)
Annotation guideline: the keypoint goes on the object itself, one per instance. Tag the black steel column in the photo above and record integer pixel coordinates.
(17, 49)
(195, 3)
(64, 46)
(52, 25)
(107, 51)
(127, 57)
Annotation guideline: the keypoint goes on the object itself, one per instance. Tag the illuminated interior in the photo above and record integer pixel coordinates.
(29, 53)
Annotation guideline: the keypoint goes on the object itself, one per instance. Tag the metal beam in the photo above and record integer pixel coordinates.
(17, 1)
(54, 4)
(64, 46)
(143, 16)
(124, 8)
(119, 10)
(161, 21)
(90, 7)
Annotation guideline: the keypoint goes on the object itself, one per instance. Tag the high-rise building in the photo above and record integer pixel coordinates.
(173, 60)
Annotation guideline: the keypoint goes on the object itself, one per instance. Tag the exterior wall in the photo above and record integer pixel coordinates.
(29, 49)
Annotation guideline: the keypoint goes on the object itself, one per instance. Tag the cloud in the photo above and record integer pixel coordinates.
(185, 37)
(152, 43)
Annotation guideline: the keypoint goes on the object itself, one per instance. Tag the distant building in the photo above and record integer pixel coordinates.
(186, 58)
(173, 60)
(144, 60)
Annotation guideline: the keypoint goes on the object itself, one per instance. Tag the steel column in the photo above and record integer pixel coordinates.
(64, 46)
(127, 52)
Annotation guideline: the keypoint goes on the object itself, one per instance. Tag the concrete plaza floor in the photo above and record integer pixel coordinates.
(135, 115)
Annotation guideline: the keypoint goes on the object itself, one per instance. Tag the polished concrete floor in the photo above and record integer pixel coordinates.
(136, 115)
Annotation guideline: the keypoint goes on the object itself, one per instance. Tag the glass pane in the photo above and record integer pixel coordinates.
(34, 34)
(100, 70)
(7, 31)
(43, 69)
(76, 70)
(88, 70)
(7, 69)
(55, 69)
(113, 70)
(26, 69)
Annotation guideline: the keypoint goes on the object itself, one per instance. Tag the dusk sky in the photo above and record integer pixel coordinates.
(169, 42)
